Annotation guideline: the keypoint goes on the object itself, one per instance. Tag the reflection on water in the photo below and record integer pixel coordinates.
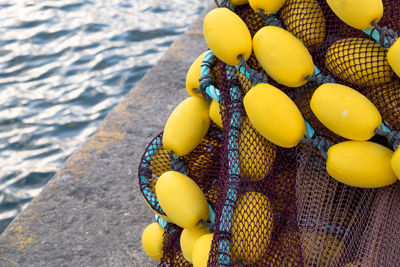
(63, 66)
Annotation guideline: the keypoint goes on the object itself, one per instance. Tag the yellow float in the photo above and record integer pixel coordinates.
(361, 164)
(252, 225)
(283, 56)
(215, 113)
(305, 19)
(152, 241)
(227, 36)
(189, 237)
(268, 7)
(393, 57)
(193, 76)
(274, 115)
(256, 154)
(359, 61)
(345, 111)
(186, 126)
(201, 250)
(357, 13)
(181, 199)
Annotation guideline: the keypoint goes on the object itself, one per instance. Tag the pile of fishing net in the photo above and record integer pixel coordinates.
(284, 152)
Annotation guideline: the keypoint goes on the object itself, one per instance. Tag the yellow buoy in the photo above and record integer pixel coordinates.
(256, 154)
(358, 61)
(393, 57)
(274, 115)
(361, 164)
(282, 56)
(181, 199)
(186, 126)
(189, 237)
(201, 250)
(193, 76)
(345, 111)
(252, 225)
(227, 36)
(269, 7)
(305, 19)
(238, 2)
(215, 113)
(152, 241)
(321, 249)
(357, 13)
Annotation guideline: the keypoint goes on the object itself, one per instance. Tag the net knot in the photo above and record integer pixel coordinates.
(177, 164)
(319, 142)
(254, 76)
(393, 137)
(205, 81)
(387, 37)
(321, 79)
(210, 225)
(270, 19)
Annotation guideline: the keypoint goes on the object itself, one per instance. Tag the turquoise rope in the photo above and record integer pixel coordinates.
(233, 171)
(374, 34)
(205, 70)
(148, 156)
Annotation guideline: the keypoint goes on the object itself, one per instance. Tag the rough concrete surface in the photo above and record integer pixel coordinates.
(92, 212)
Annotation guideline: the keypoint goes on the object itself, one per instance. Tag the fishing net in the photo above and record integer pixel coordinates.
(276, 206)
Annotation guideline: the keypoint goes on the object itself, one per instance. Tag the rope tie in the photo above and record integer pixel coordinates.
(270, 19)
(321, 79)
(210, 226)
(224, 3)
(256, 77)
(393, 137)
(387, 37)
(319, 142)
(177, 164)
(205, 81)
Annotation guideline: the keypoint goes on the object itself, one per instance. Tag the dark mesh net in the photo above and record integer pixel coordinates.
(282, 208)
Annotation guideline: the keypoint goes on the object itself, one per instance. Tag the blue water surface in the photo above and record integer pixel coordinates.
(63, 66)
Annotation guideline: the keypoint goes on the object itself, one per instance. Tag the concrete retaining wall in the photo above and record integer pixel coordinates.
(92, 212)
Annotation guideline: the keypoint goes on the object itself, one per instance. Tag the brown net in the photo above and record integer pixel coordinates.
(284, 209)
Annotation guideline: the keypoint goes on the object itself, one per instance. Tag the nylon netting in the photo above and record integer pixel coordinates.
(288, 210)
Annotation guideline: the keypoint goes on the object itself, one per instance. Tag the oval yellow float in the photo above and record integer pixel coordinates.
(252, 225)
(189, 237)
(193, 76)
(152, 241)
(256, 154)
(393, 57)
(361, 164)
(358, 61)
(186, 126)
(345, 111)
(181, 199)
(215, 114)
(274, 115)
(227, 36)
(238, 2)
(305, 19)
(201, 250)
(357, 13)
(269, 7)
(282, 56)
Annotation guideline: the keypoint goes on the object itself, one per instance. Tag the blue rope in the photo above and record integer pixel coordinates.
(233, 171)
(154, 146)
(206, 81)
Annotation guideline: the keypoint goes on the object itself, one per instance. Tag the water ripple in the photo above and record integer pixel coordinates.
(63, 66)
